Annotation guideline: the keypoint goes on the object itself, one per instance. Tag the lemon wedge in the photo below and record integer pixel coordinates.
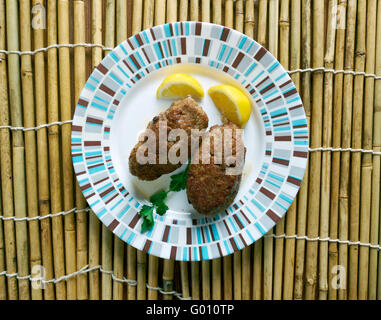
(179, 85)
(232, 103)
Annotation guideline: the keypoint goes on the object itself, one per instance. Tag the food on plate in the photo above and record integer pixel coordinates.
(232, 103)
(211, 187)
(183, 114)
(179, 85)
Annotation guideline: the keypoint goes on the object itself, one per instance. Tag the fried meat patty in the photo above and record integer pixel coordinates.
(182, 114)
(210, 189)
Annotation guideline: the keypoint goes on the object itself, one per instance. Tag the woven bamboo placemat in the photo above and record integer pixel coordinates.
(326, 247)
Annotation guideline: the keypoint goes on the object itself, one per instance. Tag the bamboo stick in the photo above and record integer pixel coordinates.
(205, 10)
(148, 14)
(217, 11)
(184, 279)
(171, 11)
(303, 191)
(289, 250)
(6, 169)
(262, 22)
(346, 142)
(183, 10)
(315, 162)
(284, 29)
(168, 276)
(269, 241)
(54, 154)
(206, 280)
(94, 223)
(246, 252)
(119, 246)
(3, 287)
(153, 265)
(30, 141)
(216, 279)
(195, 280)
(159, 12)
(229, 13)
(239, 14)
(131, 272)
(137, 15)
(106, 246)
(374, 284)
(326, 157)
(249, 18)
(42, 158)
(19, 191)
(357, 113)
(67, 172)
(336, 143)
(366, 165)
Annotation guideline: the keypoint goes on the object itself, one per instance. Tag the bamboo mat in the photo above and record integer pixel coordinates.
(326, 247)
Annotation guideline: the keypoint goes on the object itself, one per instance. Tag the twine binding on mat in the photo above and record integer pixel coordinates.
(87, 269)
(95, 45)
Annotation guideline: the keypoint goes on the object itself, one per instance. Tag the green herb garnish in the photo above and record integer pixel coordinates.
(178, 183)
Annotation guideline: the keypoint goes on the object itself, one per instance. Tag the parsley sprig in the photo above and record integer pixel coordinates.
(178, 183)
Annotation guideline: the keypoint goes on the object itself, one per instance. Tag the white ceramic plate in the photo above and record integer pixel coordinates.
(118, 101)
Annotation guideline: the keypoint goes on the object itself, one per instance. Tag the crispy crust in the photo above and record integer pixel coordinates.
(182, 114)
(209, 189)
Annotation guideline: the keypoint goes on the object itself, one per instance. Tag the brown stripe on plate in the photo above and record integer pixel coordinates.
(147, 245)
(189, 236)
(225, 33)
(104, 179)
(173, 253)
(244, 215)
(281, 124)
(268, 153)
(200, 253)
(106, 191)
(211, 233)
(300, 154)
(90, 195)
(293, 181)
(300, 137)
(183, 42)
(243, 240)
(134, 221)
(285, 84)
(227, 228)
(267, 193)
(166, 234)
(258, 180)
(198, 29)
(259, 55)
(198, 60)
(225, 69)
(145, 54)
(290, 93)
(219, 249)
(171, 29)
(93, 120)
(178, 60)
(91, 143)
(238, 60)
(161, 49)
(135, 61)
(238, 221)
(202, 234)
(272, 85)
(130, 44)
(279, 115)
(86, 186)
(281, 161)
(107, 129)
(275, 99)
(235, 248)
(112, 198)
(107, 90)
(80, 173)
(169, 47)
(113, 224)
(272, 215)
(129, 68)
(206, 47)
(102, 68)
(76, 128)
(139, 39)
(252, 91)
(83, 103)
(138, 76)
(116, 102)
(268, 133)
(106, 148)
(152, 34)
(296, 107)
(282, 138)
(263, 81)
